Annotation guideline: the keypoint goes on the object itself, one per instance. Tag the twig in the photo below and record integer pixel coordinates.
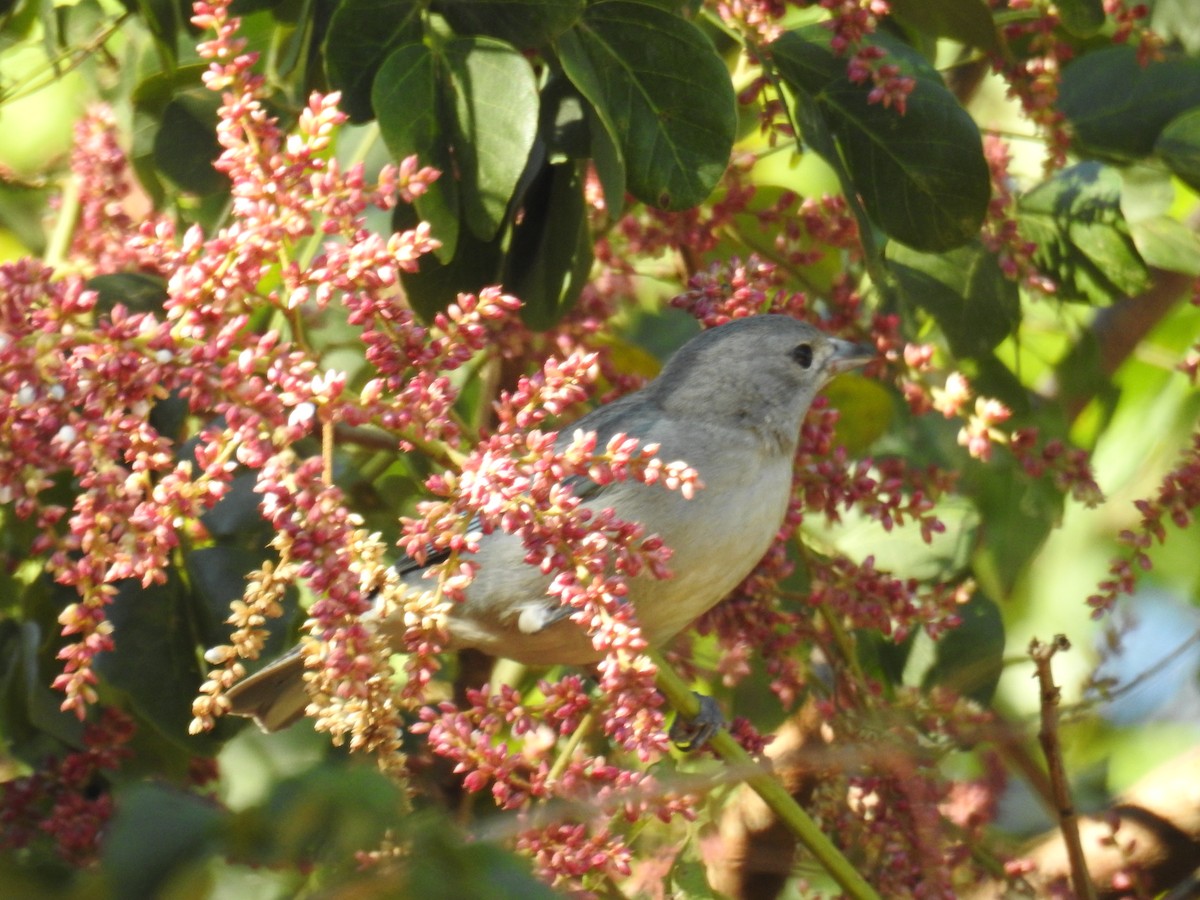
(774, 794)
(1068, 818)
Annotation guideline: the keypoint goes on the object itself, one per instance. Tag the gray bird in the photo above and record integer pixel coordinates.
(730, 404)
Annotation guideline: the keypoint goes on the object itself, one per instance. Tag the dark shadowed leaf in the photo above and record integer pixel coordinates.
(522, 23)
(155, 663)
(236, 515)
(156, 833)
(1081, 234)
(1179, 147)
(662, 93)
(1082, 18)
(551, 251)
(34, 723)
(361, 35)
(964, 290)
(327, 813)
(563, 127)
(922, 176)
(164, 19)
(1118, 107)
(966, 21)
(436, 283)
(185, 145)
(135, 291)
(610, 165)
(446, 865)
(218, 577)
(970, 658)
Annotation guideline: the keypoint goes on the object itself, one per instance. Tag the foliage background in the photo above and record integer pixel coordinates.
(1043, 269)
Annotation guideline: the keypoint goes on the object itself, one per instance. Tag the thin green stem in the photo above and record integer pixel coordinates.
(64, 225)
(774, 794)
(564, 758)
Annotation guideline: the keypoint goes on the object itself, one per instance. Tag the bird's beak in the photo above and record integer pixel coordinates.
(847, 356)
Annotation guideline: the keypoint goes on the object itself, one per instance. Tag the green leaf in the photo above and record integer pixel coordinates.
(444, 864)
(34, 723)
(406, 99)
(236, 515)
(185, 145)
(157, 832)
(921, 175)
(165, 20)
(136, 291)
(1179, 147)
(964, 290)
(866, 411)
(1016, 515)
(1118, 107)
(495, 103)
(1081, 234)
(522, 23)
(327, 813)
(966, 21)
(550, 256)
(154, 661)
(469, 108)
(609, 163)
(1082, 18)
(563, 128)
(476, 264)
(970, 658)
(1167, 243)
(661, 92)
(217, 576)
(362, 33)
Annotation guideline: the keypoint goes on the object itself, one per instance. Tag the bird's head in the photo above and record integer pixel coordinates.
(759, 373)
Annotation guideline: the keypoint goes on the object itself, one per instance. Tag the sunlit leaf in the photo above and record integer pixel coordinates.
(921, 175)
(494, 99)
(1081, 234)
(1167, 243)
(406, 96)
(1179, 147)
(662, 93)
(964, 290)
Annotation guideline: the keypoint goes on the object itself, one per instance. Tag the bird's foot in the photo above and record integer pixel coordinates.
(693, 734)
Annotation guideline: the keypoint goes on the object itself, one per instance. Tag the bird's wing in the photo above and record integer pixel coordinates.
(627, 415)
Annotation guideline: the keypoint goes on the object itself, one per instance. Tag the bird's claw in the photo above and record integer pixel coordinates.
(693, 734)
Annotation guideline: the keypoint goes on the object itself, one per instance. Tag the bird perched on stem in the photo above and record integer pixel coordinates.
(729, 403)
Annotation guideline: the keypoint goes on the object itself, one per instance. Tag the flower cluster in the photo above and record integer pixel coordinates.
(66, 801)
(1175, 502)
(1033, 75)
(1001, 232)
(576, 760)
(853, 20)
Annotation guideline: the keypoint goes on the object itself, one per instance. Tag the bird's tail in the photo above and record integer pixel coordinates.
(274, 697)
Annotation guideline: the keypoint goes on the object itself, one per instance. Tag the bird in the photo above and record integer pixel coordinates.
(730, 403)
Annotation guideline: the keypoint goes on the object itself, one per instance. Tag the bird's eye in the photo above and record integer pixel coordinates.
(802, 353)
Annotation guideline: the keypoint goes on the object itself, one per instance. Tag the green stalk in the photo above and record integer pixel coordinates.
(790, 813)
